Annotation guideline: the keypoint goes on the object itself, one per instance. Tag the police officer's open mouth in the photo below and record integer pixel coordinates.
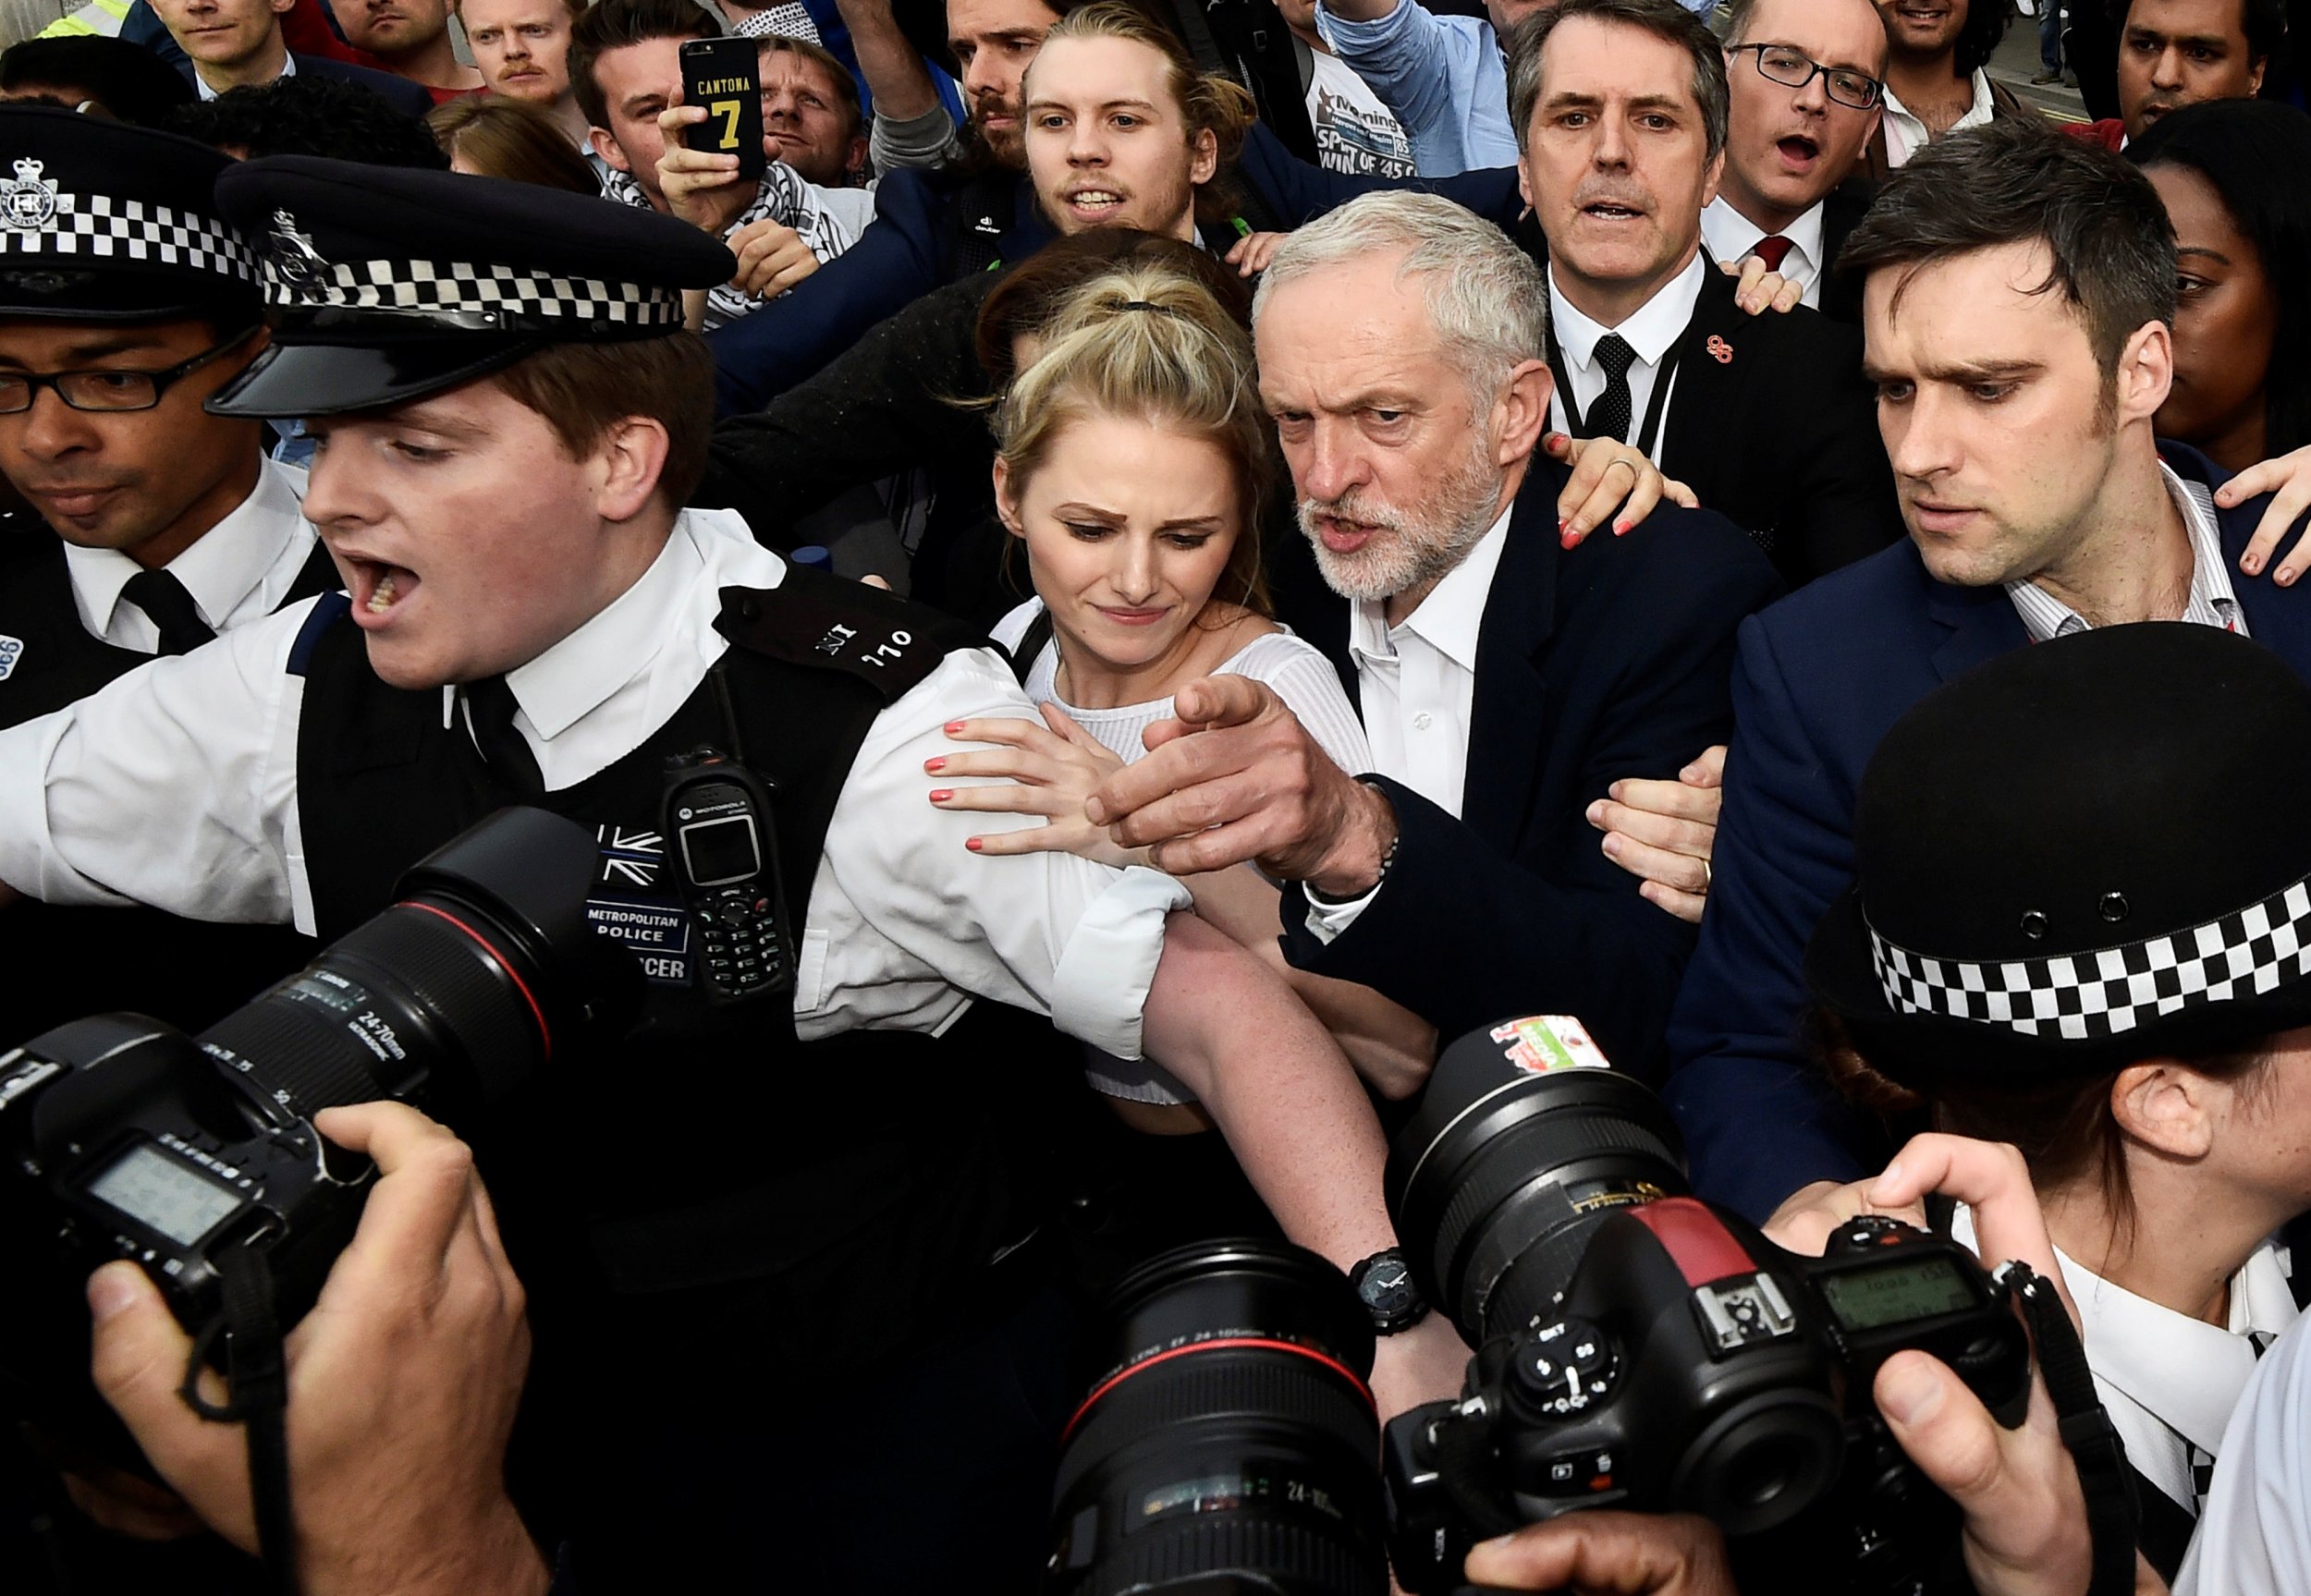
(377, 586)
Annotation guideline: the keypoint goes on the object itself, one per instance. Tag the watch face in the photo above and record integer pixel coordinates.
(1388, 1289)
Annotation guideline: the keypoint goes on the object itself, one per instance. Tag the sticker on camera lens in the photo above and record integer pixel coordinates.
(1542, 1043)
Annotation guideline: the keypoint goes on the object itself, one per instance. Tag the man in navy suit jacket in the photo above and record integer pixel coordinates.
(2018, 296)
(1504, 681)
(226, 45)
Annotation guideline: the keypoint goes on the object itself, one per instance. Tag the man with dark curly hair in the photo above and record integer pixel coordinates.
(1937, 81)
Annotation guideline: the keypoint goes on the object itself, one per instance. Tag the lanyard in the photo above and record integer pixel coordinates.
(1663, 378)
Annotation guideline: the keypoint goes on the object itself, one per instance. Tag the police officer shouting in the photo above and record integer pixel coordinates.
(758, 1237)
(124, 301)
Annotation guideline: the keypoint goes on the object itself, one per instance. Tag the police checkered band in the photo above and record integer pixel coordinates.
(2087, 996)
(457, 288)
(102, 229)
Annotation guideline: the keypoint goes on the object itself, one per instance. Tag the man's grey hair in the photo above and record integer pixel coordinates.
(1665, 19)
(1486, 299)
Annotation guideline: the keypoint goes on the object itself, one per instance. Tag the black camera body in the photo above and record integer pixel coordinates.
(1641, 1349)
(1694, 1367)
(122, 1138)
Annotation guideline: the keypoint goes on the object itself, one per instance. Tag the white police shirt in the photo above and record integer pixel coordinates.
(2255, 1537)
(238, 571)
(176, 785)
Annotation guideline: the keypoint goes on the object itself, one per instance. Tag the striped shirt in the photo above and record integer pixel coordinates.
(2212, 603)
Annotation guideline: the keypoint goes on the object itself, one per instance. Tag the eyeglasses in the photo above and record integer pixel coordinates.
(1793, 69)
(106, 390)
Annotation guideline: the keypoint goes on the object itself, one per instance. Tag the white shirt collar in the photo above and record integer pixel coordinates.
(288, 69)
(222, 567)
(1905, 134)
(1652, 330)
(580, 674)
(1449, 619)
(1732, 236)
(2212, 601)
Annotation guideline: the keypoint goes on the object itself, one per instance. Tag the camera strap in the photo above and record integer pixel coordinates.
(259, 1379)
(2113, 1517)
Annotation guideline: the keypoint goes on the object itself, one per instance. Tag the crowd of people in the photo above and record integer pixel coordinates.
(1243, 543)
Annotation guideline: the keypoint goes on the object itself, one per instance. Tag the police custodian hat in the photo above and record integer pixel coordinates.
(2065, 864)
(388, 284)
(104, 222)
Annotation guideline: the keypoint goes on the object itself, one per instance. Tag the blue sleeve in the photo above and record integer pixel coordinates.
(1301, 191)
(1442, 76)
(1759, 1120)
(896, 261)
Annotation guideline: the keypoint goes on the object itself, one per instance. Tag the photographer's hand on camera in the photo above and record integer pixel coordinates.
(1608, 1554)
(402, 1385)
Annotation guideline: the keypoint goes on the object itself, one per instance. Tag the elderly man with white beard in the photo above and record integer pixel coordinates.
(1507, 683)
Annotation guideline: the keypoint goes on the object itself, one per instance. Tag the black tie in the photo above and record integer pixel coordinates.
(163, 598)
(489, 712)
(1608, 418)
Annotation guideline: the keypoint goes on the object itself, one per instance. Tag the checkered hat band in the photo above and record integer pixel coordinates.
(100, 227)
(454, 285)
(2089, 996)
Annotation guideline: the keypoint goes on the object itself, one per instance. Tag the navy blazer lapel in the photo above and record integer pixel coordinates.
(1508, 721)
(1982, 621)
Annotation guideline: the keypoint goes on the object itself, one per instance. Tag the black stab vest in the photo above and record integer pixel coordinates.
(64, 962)
(710, 1151)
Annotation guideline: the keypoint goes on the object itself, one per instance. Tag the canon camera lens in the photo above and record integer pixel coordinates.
(1523, 1140)
(1231, 1445)
(462, 983)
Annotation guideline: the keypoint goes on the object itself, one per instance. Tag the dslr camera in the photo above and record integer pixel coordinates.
(1639, 1349)
(124, 1137)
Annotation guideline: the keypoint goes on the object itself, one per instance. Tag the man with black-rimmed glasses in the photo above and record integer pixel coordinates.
(1806, 90)
(125, 302)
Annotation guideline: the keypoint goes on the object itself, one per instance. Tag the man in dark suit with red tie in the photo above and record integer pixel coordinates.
(1767, 419)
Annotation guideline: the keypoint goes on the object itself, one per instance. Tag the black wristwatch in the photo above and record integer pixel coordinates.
(1384, 1284)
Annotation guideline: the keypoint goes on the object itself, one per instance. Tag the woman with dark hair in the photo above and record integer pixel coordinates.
(492, 136)
(2054, 941)
(2233, 175)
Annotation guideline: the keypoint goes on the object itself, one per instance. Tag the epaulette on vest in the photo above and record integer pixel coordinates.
(828, 623)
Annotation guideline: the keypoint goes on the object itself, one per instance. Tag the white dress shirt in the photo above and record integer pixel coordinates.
(1732, 236)
(2212, 601)
(1905, 135)
(1653, 331)
(2254, 1536)
(176, 785)
(2170, 1381)
(238, 571)
(1416, 684)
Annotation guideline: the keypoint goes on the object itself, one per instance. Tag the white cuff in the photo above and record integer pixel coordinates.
(1326, 920)
(1102, 981)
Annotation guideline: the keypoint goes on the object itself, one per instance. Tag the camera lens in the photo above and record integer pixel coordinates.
(1231, 1444)
(1512, 1158)
(485, 956)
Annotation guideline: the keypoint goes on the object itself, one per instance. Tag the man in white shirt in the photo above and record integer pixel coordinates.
(1504, 680)
(1623, 110)
(1937, 81)
(531, 619)
(1805, 80)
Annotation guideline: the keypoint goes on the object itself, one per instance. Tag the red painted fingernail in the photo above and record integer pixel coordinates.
(954, 725)
(972, 843)
(1567, 540)
(941, 795)
(1621, 529)
(937, 763)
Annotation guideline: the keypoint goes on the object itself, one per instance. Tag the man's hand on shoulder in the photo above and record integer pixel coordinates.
(1235, 776)
(1663, 833)
(403, 1382)
(1607, 1554)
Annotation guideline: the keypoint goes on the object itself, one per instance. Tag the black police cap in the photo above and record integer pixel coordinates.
(2055, 870)
(103, 221)
(389, 283)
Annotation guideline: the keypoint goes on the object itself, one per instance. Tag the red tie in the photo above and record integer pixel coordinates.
(1772, 250)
